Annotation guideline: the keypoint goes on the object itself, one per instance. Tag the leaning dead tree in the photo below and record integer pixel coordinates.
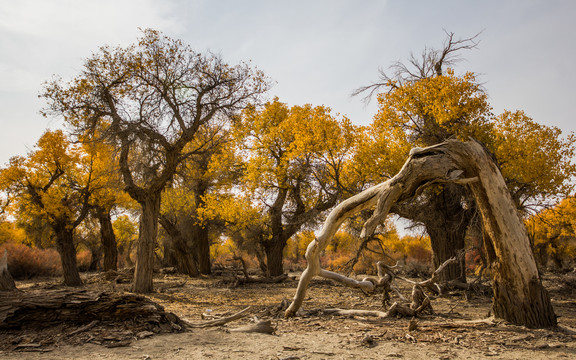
(519, 296)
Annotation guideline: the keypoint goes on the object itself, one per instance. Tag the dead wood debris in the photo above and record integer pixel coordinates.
(50, 317)
(218, 321)
(420, 302)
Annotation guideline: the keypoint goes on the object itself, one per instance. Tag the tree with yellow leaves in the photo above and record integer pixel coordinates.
(190, 220)
(297, 167)
(425, 103)
(149, 100)
(54, 183)
(107, 197)
(553, 234)
(536, 160)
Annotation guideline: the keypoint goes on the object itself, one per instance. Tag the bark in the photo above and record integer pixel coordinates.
(67, 251)
(108, 239)
(147, 243)
(519, 296)
(222, 320)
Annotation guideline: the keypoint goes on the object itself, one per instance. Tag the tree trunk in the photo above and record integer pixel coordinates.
(67, 251)
(200, 232)
(146, 244)
(179, 249)
(95, 257)
(274, 249)
(108, 239)
(445, 245)
(519, 296)
(201, 243)
(448, 232)
(446, 222)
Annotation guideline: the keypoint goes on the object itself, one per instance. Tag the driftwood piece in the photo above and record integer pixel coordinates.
(46, 308)
(222, 321)
(6, 280)
(519, 296)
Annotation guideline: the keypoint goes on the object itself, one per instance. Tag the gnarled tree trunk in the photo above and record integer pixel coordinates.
(274, 250)
(201, 247)
(181, 253)
(108, 239)
(67, 251)
(146, 244)
(519, 296)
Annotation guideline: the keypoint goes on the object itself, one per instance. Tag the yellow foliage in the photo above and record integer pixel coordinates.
(53, 183)
(553, 233)
(10, 233)
(534, 158)
(302, 144)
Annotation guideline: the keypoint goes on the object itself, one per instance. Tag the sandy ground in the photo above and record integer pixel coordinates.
(452, 332)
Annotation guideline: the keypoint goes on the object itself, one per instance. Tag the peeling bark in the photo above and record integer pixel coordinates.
(519, 296)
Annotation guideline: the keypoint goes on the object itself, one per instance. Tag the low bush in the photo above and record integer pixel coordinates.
(25, 262)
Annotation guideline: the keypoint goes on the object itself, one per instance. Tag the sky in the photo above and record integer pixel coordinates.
(316, 51)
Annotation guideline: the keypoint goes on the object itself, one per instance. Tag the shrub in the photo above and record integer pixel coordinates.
(25, 262)
(83, 260)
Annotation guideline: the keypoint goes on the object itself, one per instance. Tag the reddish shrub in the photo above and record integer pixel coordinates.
(25, 262)
(83, 260)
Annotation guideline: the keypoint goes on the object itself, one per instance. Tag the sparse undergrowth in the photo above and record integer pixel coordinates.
(450, 332)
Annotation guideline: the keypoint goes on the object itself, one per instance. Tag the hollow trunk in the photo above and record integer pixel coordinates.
(67, 251)
(274, 249)
(108, 239)
(146, 244)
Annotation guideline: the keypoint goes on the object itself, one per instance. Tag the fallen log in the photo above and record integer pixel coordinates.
(47, 308)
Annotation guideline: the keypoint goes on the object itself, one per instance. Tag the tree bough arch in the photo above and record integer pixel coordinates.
(519, 296)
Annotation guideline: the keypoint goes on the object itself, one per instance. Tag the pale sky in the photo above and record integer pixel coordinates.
(317, 51)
